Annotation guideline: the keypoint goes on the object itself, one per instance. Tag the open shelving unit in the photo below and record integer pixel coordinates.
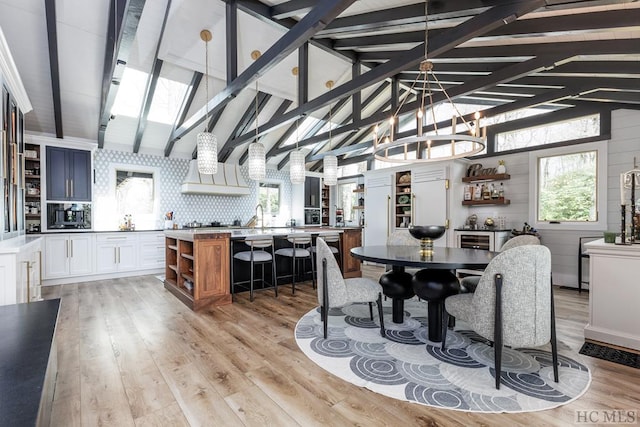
(325, 205)
(486, 178)
(33, 186)
(402, 212)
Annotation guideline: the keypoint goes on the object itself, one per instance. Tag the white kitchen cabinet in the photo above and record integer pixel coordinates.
(68, 255)
(377, 225)
(429, 198)
(151, 250)
(116, 252)
(20, 273)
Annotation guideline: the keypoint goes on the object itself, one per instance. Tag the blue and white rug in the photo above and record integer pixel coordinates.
(407, 366)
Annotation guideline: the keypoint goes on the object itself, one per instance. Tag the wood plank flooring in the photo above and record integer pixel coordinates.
(130, 354)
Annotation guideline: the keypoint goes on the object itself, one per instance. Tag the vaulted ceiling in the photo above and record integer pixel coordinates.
(129, 74)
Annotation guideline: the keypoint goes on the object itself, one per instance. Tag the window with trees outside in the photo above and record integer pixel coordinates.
(570, 186)
(269, 198)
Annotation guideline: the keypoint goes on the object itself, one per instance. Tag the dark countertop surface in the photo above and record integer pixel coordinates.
(483, 229)
(26, 331)
(409, 256)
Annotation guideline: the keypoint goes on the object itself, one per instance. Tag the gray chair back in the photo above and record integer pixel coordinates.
(402, 238)
(525, 239)
(336, 286)
(526, 297)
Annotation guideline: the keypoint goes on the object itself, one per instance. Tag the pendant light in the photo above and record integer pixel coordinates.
(330, 162)
(257, 154)
(296, 157)
(207, 144)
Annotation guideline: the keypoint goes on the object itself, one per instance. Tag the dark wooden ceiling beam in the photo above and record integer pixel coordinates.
(313, 22)
(250, 115)
(150, 89)
(292, 8)
(284, 106)
(231, 32)
(121, 33)
(480, 24)
(52, 39)
(405, 15)
(189, 94)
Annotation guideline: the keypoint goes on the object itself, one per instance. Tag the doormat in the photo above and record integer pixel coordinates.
(614, 355)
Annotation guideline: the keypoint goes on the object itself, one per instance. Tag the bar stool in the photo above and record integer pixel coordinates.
(257, 255)
(300, 250)
(332, 239)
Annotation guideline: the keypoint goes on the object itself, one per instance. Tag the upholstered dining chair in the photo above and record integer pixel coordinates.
(512, 305)
(335, 291)
(469, 283)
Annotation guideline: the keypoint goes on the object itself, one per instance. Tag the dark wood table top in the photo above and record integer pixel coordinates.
(409, 256)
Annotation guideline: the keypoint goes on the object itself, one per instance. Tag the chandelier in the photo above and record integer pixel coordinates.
(427, 147)
(296, 157)
(206, 142)
(257, 155)
(330, 161)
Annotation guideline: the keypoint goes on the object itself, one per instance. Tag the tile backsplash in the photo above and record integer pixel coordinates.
(186, 207)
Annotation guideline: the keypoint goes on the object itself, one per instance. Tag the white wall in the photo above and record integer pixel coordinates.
(621, 149)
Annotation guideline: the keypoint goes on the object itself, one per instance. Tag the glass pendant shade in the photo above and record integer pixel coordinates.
(207, 153)
(296, 167)
(330, 166)
(257, 162)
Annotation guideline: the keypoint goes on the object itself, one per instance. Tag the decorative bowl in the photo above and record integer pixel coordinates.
(427, 231)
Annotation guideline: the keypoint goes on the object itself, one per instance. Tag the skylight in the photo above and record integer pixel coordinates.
(167, 98)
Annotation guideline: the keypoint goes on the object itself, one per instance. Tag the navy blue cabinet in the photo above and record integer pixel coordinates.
(68, 174)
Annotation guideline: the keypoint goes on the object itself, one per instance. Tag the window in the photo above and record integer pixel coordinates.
(582, 127)
(347, 199)
(569, 185)
(134, 193)
(269, 198)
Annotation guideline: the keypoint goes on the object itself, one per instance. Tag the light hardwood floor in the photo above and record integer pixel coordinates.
(129, 353)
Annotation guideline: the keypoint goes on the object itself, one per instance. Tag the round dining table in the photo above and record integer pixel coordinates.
(442, 258)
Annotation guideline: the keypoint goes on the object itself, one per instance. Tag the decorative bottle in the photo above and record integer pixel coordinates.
(501, 167)
(501, 191)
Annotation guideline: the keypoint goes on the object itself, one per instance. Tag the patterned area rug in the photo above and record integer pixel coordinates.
(407, 366)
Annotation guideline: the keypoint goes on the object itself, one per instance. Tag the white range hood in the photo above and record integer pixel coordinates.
(227, 181)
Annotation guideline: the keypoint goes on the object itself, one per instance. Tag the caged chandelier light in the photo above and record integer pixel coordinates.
(449, 146)
(296, 157)
(207, 144)
(257, 154)
(330, 161)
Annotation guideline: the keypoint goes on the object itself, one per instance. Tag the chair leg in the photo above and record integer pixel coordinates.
(293, 273)
(233, 284)
(274, 277)
(497, 330)
(325, 314)
(381, 315)
(313, 270)
(371, 310)
(445, 324)
(554, 344)
(251, 283)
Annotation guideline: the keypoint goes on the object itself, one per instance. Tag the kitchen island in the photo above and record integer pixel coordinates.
(614, 294)
(198, 261)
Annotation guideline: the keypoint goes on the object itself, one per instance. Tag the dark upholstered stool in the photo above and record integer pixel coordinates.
(396, 284)
(434, 286)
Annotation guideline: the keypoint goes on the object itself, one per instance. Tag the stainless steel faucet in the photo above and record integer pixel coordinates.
(261, 215)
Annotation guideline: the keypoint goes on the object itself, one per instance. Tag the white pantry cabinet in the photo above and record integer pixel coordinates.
(68, 255)
(377, 196)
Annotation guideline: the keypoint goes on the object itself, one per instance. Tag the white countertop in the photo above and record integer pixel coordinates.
(16, 244)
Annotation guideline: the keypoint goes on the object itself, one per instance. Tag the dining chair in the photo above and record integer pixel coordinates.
(512, 305)
(470, 283)
(396, 282)
(257, 254)
(335, 291)
(300, 250)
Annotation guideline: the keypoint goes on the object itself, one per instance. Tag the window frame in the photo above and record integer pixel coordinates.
(146, 221)
(600, 148)
(280, 194)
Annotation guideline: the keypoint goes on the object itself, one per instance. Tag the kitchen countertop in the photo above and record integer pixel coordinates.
(27, 333)
(16, 244)
(495, 230)
(237, 233)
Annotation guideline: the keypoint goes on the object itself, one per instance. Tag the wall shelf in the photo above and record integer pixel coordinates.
(499, 201)
(496, 177)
